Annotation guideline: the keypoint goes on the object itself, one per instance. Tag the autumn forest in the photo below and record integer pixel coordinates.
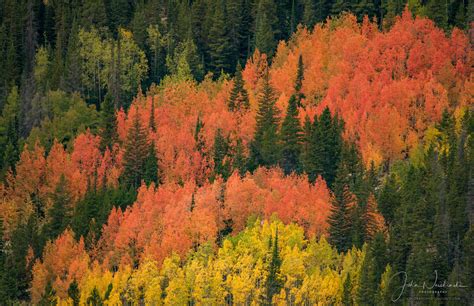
(236, 152)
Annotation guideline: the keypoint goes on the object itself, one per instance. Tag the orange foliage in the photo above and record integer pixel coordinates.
(174, 218)
(64, 261)
(37, 176)
(387, 86)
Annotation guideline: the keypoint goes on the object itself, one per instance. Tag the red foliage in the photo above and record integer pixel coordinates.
(175, 218)
(64, 261)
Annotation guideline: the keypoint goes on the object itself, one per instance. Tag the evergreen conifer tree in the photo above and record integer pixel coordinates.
(273, 283)
(240, 160)
(136, 151)
(368, 286)
(71, 78)
(9, 131)
(306, 138)
(437, 10)
(49, 296)
(325, 147)
(290, 137)
(342, 213)
(109, 124)
(222, 165)
(74, 293)
(151, 169)
(220, 46)
(266, 24)
(238, 96)
(264, 148)
(346, 291)
(59, 214)
(299, 80)
(152, 124)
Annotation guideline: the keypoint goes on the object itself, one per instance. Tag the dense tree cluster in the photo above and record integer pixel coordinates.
(356, 134)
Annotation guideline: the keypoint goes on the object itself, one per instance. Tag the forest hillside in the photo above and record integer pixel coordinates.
(236, 152)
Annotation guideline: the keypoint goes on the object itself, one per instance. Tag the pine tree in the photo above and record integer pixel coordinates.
(59, 214)
(340, 6)
(95, 298)
(136, 152)
(119, 13)
(240, 27)
(372, 269)
(310, 16)
(74, 293)
(290, 136)
(151, 171)
(238, 96)
(437, 10)
(240, 160)
(273, 282)
(363, 8)
(346, 291)
(392, 9)
(306, 139)
(389, 199)
(222, 164)
(264, 150)
(368, 286)
(11, 155)
(109, 124)
(299, 80)
(325, 147)
(266, 27)
(219, 41)
(93, 14)
(152, 123)
(9, 131)
(17, 270)
(198, 137)
(341, 217)
(71, 79)
(330, 135)
(49, 296)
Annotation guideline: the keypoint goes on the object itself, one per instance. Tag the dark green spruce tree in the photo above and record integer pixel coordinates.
(238, 100)
(109, 124)
(274, 281)
(136, 152)
(325, 147)
(437, 10)
(299, 80)
(74, 293)
(9, 132)
(222, 162)
(265, 149)
(266, 27)
(343, 208)
(306, 136)
(240, 161)
(346, 291)
(151, 171)
(49, 296)
(59, 213)
(373, 267)
(290, 139)
(220, 45)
